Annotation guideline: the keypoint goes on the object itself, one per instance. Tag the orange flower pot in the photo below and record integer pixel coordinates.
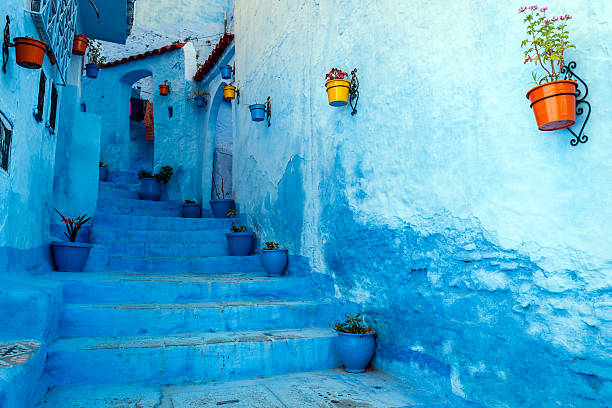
(229, 92)
(29, 52)
(554, 104)
(164, 90)
(79, 44)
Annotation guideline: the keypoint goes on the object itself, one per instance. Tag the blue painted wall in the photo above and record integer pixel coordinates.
(476, 244)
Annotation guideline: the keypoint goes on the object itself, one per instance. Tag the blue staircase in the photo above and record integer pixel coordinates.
(161, 302)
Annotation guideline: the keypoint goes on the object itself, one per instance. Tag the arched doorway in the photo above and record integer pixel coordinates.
(219, 156)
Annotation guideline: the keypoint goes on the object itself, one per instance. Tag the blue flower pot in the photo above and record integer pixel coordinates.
(103, 173)
(258, 112)
(70, 256)
(220, 208)
(226, 71)
(199, 101)
(274, 261)
(192, 210)
(240, 243)
(92, 70)
(149, 189)
(355, 350)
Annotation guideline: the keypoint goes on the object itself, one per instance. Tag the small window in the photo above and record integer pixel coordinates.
(40, 107)
(53, 110)
(6, 135)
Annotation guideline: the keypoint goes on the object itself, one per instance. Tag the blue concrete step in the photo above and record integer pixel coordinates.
(106, 189)
(120, 223)
(123, 287)
(155, 318)
(206, 236)
(167, 250)
(157, 211)
(189, 358)
(111, 202)
(21, 365)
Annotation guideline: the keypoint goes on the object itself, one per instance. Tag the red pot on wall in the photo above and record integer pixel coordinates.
(554, 104)
(164, 90)
(79, 44)
(29, 52)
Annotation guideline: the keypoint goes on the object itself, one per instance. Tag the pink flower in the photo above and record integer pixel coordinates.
(545, 21)
(554, 19)
(522, 8)
(543, 9)
(535, 6)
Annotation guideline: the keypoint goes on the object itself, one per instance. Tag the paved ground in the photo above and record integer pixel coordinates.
(325, 389)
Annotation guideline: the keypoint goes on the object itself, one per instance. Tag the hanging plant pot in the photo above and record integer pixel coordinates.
(226, 71)
(149, 189)
(199, 101)
(92, 70)
(164, 90)
(229, 92)
(70, 256)
(29, 52)
(338, 91)
(220, 208)
(79, 44)
(258, 112)
(274, 261)
(554, 104)
(240, 243)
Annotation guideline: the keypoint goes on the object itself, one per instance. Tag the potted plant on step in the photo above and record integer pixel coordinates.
(103, 171)
(355, 344)
(71, 256)
(191, 209)
(150, 183)
(337, 87)
(273, 259)
(199, 97)
(239, 240)
(553, 99)
(96, 59)
(220, 206)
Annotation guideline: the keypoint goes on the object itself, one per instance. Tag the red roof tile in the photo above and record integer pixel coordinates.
(213, 58)
(144, 55)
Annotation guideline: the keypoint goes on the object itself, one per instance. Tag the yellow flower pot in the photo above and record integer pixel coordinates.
(337, 91)
(229, 92)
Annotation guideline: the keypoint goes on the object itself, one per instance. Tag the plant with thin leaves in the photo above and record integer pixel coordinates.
(73, 225)
(190, 202)
(236, 226)
(94, 53)
(352, 325)
(164, 175)
(547, 40)
(270, 246)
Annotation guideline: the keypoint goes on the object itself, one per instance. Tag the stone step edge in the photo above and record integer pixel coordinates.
(198, 305)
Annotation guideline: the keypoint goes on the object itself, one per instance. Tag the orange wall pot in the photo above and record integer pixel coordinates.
(29, 52)
(164, 90)
(229, 92)
(79, 44)
(554, 104)
(337, 91)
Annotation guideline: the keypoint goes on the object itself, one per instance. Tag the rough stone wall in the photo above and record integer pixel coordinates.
(473, 242)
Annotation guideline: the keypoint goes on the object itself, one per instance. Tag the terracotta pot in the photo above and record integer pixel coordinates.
(164, 90)
(554, 104)
(79, 44)
(29, 52)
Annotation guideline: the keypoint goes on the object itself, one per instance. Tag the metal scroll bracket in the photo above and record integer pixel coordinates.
(268, 105)
(6, 44)
(354, 92)
(568, 70)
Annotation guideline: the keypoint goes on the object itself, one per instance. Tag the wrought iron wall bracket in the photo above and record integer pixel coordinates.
(354, 92)
(268, 105)
(568, 70)
(6, 44)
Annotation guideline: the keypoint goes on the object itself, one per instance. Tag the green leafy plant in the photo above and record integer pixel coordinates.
(94, 54)
(104, 165)
(236, 226)
(163, 176)
(197, 92)
(270, 246)
(73, 225)
(352, 325)
(145, 174)
(547, 40)
(189, 202)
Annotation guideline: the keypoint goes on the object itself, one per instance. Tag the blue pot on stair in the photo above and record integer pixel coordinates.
(274, 261)
(220, 208)
(240, 243)
(103, 173)
(355, 350)
(191, 210)
(149, 189)
(70, 256)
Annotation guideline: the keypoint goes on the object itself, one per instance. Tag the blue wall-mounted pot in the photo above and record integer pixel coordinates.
(149, 189)
(240, 243)
(191, 210)
(355, 350)
(226, 71)
(92, 70)
(274, 261)
(103, 173)
(70, 256)
(220, 208)
(199, 101)
(258, 112)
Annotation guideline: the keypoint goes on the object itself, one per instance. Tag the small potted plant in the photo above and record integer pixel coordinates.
(239, 240)
(79, 44)
(70, 256)
(96, 59)
(229, 91)
(258, 111)
(355, 344)
(273, 259)
(337, 87)
(226, 71)
(103, 171)
(553, 99)
(150, 183)
(29, 52)
(191, 209)
(164, 89)
(199, 97)
(221, 205)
